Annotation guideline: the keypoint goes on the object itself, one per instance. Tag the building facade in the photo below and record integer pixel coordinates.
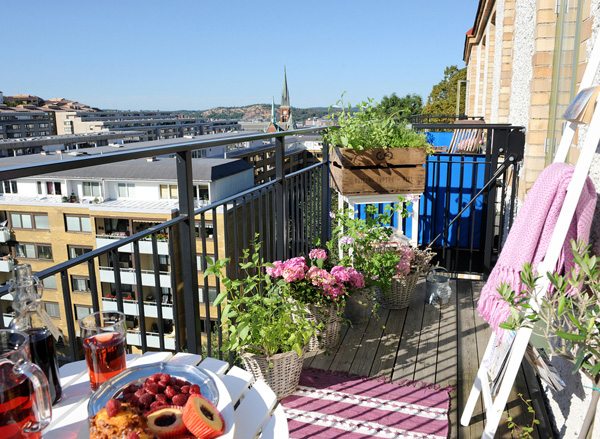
(525, 59)
(56, 217)
(24, 121)
(150, 125)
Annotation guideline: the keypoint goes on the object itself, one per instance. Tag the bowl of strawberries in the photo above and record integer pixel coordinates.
(156, 401)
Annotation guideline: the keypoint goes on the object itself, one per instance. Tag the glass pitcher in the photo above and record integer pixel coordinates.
(25, 404)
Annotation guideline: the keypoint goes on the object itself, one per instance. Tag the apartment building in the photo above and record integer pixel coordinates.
(151, 125)
(24, 121)
(66, 142)
(525, 59)
(55, 217)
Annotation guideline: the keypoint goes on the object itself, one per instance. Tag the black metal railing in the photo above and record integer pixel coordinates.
(441, 118)
(289, 214)
(467, 207)
(470, 199)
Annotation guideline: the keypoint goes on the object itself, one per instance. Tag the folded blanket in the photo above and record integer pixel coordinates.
(530, 236)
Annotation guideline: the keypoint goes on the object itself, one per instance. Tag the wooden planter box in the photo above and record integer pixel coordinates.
(378, 171)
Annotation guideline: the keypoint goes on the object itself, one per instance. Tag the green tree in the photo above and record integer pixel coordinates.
(442, 99)
(401, 107)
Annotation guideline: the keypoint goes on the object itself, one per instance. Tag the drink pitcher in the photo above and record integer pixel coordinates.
(25, 404)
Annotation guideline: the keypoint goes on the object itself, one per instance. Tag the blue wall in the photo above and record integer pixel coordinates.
(447, 190)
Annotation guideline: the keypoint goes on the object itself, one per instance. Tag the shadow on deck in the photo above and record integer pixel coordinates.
(436, 346)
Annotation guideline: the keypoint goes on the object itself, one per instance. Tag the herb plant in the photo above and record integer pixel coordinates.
(260, 316)
(569, 314)
(369, 128)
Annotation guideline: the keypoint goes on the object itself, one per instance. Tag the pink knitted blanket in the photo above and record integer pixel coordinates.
(530, 235)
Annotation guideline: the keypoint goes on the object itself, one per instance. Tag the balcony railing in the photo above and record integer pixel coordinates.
(289, 213)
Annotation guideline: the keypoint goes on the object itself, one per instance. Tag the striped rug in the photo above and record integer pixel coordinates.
(328, 405)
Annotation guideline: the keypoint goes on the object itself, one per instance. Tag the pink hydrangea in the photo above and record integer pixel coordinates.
(407, 255)
(341, 274)
(276, 270)
(320, 277)
(357, 280)
(294, 269)
(333, 291)
(318, 253)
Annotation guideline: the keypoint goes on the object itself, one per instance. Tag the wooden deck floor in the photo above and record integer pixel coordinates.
(440, 346)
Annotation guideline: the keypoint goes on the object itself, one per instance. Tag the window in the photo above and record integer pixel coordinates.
(91, 189)
(212, 294)
(33, 251)
(168, 191)
(76, 251)
(76, 223)
(8, 187)
(49, 282)
(29, 220)
(163, 263)
(126, 190)
(53, 188)
(82, 311)
(208, 229)
(53, 309)
(80, 284)
(201, 193)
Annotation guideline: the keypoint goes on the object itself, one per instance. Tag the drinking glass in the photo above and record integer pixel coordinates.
(25, 402)
(103, 335)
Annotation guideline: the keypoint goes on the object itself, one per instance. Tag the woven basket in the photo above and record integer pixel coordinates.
(401, 292)
(359, 305)
(281, 371)
(329, 337)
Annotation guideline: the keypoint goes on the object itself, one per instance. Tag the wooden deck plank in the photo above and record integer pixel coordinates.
(369, 345)
(468, 363)
(323, 360)
(345, 355)
(428, 345)
(385, 357)
(404, 368)
(446, 374)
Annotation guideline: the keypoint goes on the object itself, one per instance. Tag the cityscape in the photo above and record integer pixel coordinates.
(344, 192)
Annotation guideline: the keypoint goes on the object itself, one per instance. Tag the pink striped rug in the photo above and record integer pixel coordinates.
(329, 405)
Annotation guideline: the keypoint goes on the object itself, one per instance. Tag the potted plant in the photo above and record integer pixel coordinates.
(412, 263)
(263, 323)
(568, 316)
(73, 198)
(376, 153)
(322, 288)
(359, 243)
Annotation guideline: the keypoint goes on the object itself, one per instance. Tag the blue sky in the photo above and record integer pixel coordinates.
(184, 54)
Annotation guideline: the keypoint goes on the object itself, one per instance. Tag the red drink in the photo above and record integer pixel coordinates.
(16, 404)
(105, 356)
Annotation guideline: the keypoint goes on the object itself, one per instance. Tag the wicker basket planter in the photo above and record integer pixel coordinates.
(359, 305)
(329, 337)
(401, 292)
(281, 371)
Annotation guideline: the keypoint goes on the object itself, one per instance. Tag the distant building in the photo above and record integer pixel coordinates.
(23, 99)
(286, 119)
(152, 125)
(24, 121)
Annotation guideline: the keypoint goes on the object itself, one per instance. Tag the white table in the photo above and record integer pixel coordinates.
(249, 407)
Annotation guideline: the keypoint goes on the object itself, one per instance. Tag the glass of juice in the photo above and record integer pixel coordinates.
(25, 403)
(103, 335)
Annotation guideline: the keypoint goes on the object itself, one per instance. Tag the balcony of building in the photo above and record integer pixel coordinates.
(171, 308)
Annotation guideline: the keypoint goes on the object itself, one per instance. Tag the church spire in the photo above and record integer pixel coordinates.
(285, 96)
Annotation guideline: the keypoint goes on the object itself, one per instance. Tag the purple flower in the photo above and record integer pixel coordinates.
(341, 274)
(331, 214)
(346, 240)
(318, 253)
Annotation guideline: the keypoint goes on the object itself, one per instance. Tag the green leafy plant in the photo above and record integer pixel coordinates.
(523, 432)
(569, 315)
(369, 128)
(259, 314)
(359, 241)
